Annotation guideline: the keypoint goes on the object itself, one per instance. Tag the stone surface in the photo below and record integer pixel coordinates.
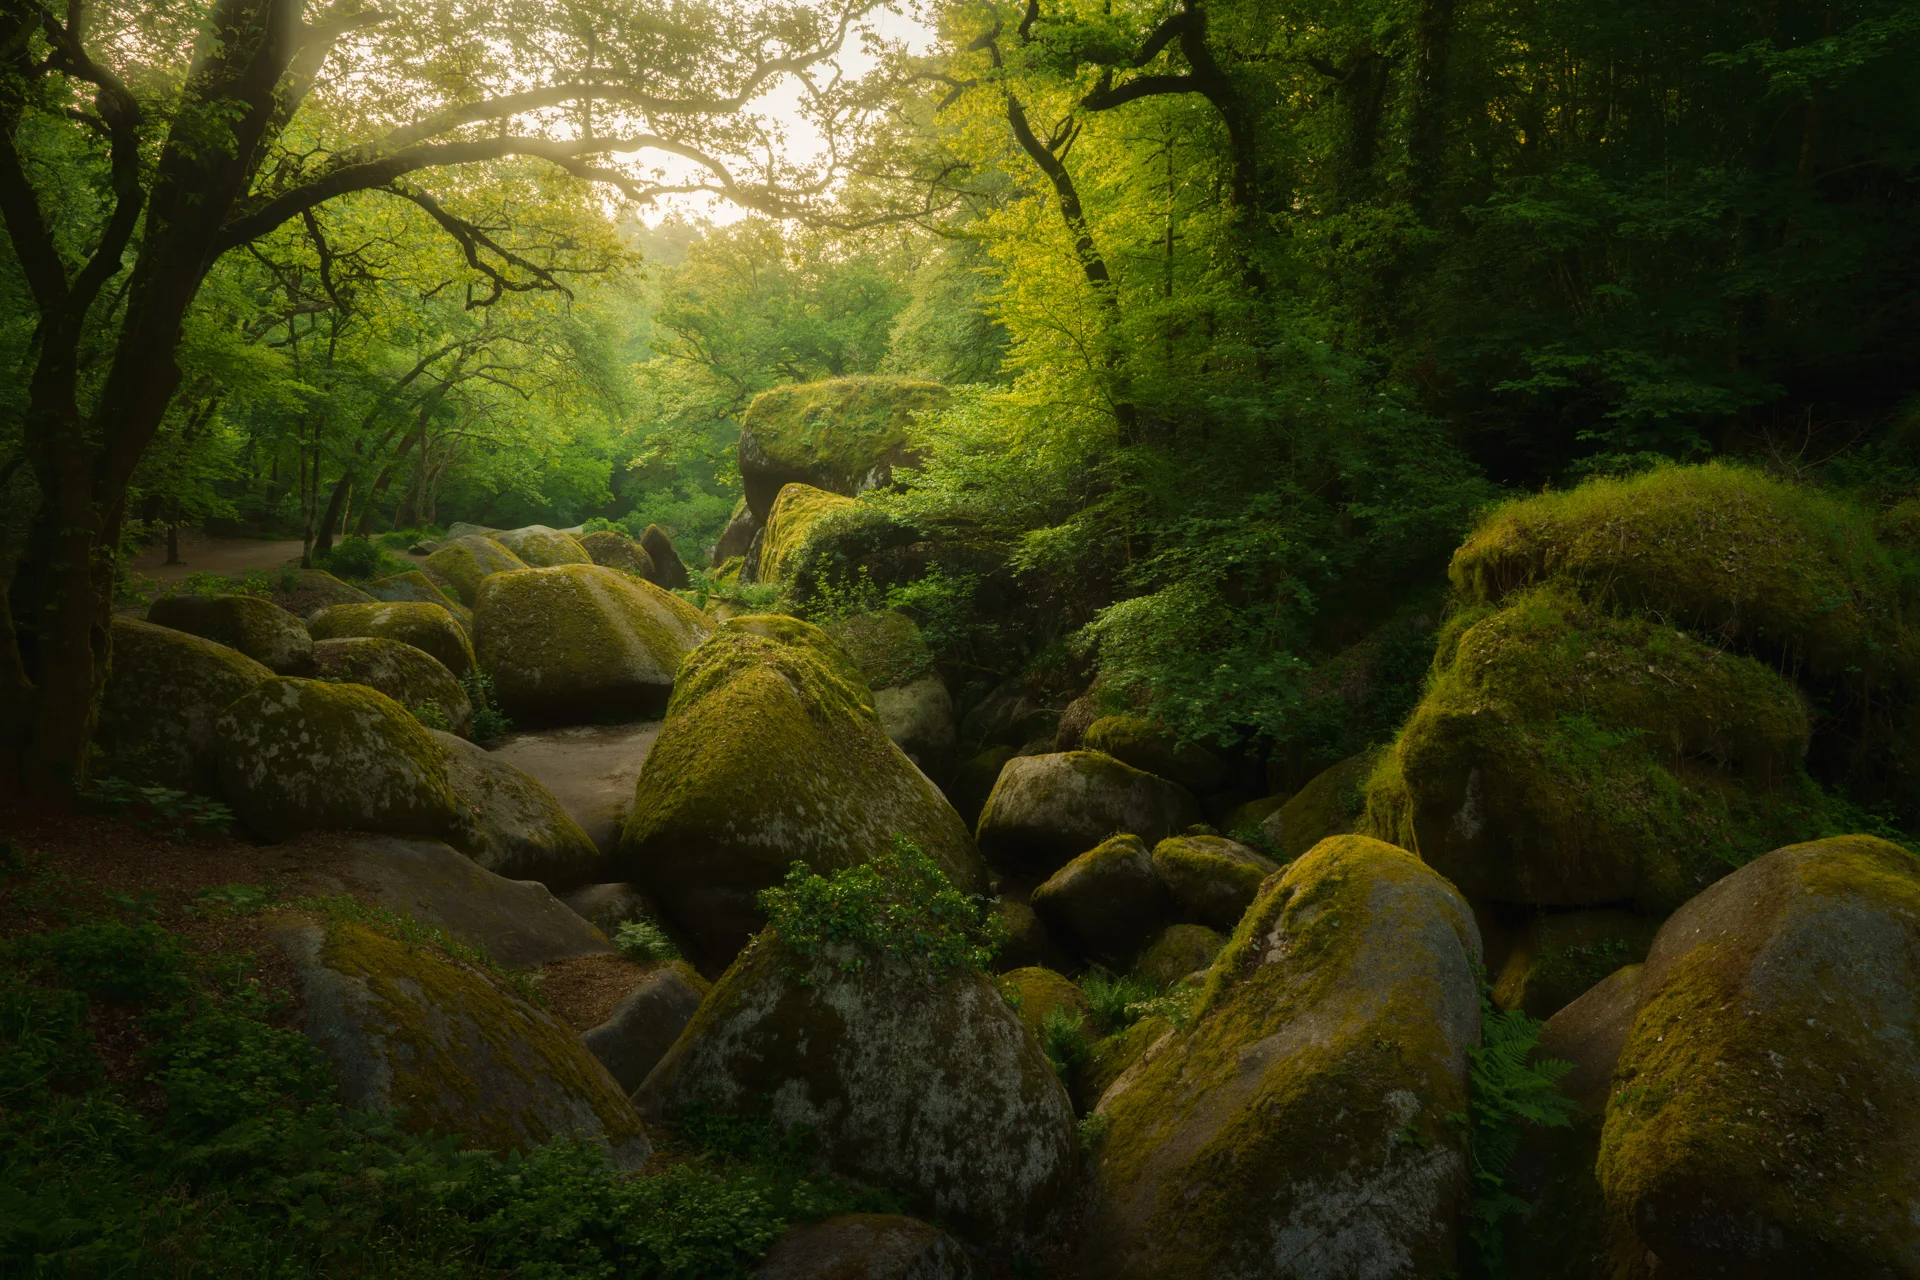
(590, 769)
(1329, 805)
(1047, 809)
(919, 718)
(427, 627)
(1075, 721)
(866, 1246)
(646, 1021)
(613, 550)
(463, 563)
(1213, 879)
(768, 756)
(1298, 1125)
(415, 587)
(1106, 904)
(407, 1028)
(258, 628)
(1555, 956)
(797, 512)
(1146, 745)
(410, 676)
(518, 829)
(163, 694)
(973, 782)
(1765, 1117)
(934, 1091)
(1180, 949)
(1034, 992)
(843, 435)
(737, 538)
(669, 571)
(542, 547)
(608, 906)
(578, 643)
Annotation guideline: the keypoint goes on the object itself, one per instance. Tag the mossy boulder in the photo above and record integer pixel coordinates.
(1331, 804)
(669, 571)
(411, 677)
(1566, 757)
(1111, 1057)
(1765, 1115)
(1075, 721)
(796, 513)
(646, 1021)
(919, 718)
(1034, 992)
(1558, 955)
(1145, 745)
(1108, 903)
(301, 591)
(542, 547)
(973, 782)
(305, 755)
(737, 538)
(843, 435)
(933, 1090)
(409, 1030)
(608, 906)
(258, 628)
(885, 644)
(467, 529)
(427, 627)
(785, 629)
(415, 587)
(1028, 942)
(1299, 1125)
(578, 643)
(1213, 879)
(1178, 952)
(165, 690)
(516, 828)
(464, 563)
(771, 755)
(866, 1246)
(613, 550)
(1046, 809)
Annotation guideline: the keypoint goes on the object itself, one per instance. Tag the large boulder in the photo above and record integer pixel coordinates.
(579, 643)
(1179, 952)
(669, 570)
(517, 828)
(885, 644)
(1145, 745)
(411, 677)
(301, 591)
(817, 641)
(1566, 757)
(258, 628)
(646, 1021)
(165, 689)
(931, 1088)
(770, 755)
(1106, 904)
(796, 513)
(464, 563)
(590, 769)
(613, 550)
(467, 529)
(542, 548)
(408, 1028)
(1765, 1116)
(865, 1246)
(1329, 805)
(1034, 991)
(1300, 1125)
(427, 627)
(737, 538)
(306, 755)
(1046, 809)
(844, 435)
(919, 718)
(415, 587)
(974, 780)
(1212, 878)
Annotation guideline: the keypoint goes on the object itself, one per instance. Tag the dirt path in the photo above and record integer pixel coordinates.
(207, 553)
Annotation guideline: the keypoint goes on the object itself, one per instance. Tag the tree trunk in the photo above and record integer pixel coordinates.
(323, 543)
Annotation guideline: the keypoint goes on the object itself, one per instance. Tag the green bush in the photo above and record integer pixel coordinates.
(361, 559)
(490, 724)
(644, 942)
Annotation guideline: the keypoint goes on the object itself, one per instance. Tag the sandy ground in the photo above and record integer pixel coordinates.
(206, 553)
(591, 770)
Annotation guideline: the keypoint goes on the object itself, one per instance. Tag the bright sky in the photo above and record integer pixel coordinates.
(803, 142)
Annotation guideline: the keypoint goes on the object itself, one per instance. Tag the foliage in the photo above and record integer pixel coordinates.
(644, 942)
(899, 906)
(361, 559)
(490, 724)
(1063, 1036)
(179, 814)
(1116, 1003)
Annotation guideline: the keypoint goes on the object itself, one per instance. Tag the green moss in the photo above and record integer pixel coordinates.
(417, 587)
(402, 671)
(885, 645)
(783, 629)
(1035, 992)
(1571, 757)
(1212, 878)
(614, 550)
(1145, 745)
(258, 628)
(1179, 951)
(428, 627)
(463, 563)
(1330, 804)
(797, 511)
(542, 548)
(1110, 1057)
(164, 690)
(835, 434)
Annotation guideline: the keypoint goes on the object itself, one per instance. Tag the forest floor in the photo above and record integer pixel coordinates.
(211, 553)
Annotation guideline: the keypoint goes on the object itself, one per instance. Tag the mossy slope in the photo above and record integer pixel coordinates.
(796, 513)
(844, 435)
(1297, 1127)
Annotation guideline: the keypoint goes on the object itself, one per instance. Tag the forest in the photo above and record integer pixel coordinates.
(1141, 438)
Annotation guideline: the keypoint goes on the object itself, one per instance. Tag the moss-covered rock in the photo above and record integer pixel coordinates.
(646, 1021)
(1075, 721)
(409, 1030)
(411, 677)
(737, 538)
(973, 782)
(578, 643)
(542, 547)
(1566, 757)
(467, 529)
(464, 563)
(416, 587)
(936, 1092)
(1046, 809)
(771, 755)
(1113, 1056)
(866, 1246)
(1213, 879)
(427, 627)
(785, 629)
(258, 628)
(1180, 951)
(1331, 804)
(301, 591)
(1145, 745)
(305, 755)
(164, 691)
(1765, 1117)
(669, 571)
(886, 645)
(919, 718)
(1558, 955)
(844, 435)
(796, 512)
(516, 828)
(1107, 903)
(1298, 1125)
(1028, 943)
(1034, 992)
(613, 550)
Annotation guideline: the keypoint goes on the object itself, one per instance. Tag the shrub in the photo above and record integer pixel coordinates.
(644, 942)
(1115, 1004)
(359, 559)
(490, 724)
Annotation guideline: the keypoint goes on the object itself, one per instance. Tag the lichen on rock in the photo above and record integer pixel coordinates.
(164, 692)
(409, 675)
(425, 626)
(844, 435)
(542, 547)
(464, 563)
